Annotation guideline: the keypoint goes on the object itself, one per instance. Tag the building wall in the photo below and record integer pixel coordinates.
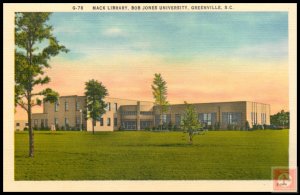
(67, 113)
(142, 114)
(258, 113)
(20, 125)
(115, 111)
(217, 108)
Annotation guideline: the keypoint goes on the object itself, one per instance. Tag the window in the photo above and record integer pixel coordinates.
(46, 122)
(26, 124)
(255, 117)
(129, 113)
(108, 121)
(116, 106)
(145, 124)
(56, 121)
(77, 106)
(233, 118)
(56, 106)
(18, 124)
(78, 120)
(129, 125)
(101, 121)
(115, 122)
(146, 113)
(263, 118)
(66, 122)
(177, 119)
(207, 118)
(42, 123)
(66, 106)
(108, 106)
(35, 122)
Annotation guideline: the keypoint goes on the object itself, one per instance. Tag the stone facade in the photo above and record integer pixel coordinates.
(69, 113)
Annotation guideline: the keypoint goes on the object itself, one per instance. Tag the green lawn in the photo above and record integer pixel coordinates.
(139, 155)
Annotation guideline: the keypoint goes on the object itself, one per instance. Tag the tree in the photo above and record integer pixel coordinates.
(282, 118)
(95, 93)
(159, 91)
(190, 122)
(32, 54)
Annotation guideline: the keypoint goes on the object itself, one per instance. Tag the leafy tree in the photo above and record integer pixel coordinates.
(159, 91)
(282, 118)
(35, 46)
(95, 93)
(190, 122)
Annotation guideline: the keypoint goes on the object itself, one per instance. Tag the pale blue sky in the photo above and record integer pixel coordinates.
(174, 36)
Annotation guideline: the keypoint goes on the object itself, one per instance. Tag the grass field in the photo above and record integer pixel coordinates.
(139, 155)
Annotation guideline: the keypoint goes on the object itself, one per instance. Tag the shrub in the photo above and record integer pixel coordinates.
(170, 126)
(62, 128)
(147, 129)
(25, 129)
(247, 126)
(217, 126)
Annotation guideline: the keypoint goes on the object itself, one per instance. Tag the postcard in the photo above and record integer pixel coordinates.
(150, 97)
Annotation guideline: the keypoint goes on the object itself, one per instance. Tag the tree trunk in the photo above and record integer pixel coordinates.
(93, 125)
(31, 133)
(160, 119)
(191, 138)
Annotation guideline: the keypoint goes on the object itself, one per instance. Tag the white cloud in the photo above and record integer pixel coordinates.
(114, 32)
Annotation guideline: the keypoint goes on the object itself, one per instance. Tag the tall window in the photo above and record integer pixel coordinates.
(35, 122)
(46, 122)
(56, 106)
(18, 124)
(116, 106)
(78, 120)
(108, 121)
(207, 118)
(108, 106)
(101, 121)
(77, 106)
(42, 123)
(66, 106)
(66, 121)
(56, 121)
(233, 118)
(115, 122)
(177, 119)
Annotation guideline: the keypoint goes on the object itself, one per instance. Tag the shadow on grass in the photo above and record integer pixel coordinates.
(161, 145)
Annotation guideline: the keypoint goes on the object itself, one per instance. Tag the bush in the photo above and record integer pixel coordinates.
(62, 128)
(147, 129)
(25, 129)
(217, 126)
(247, 126)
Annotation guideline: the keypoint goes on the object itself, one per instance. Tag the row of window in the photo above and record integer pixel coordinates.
(132, 125)
(108, 108)
(204, 118)
(108, 122)
(263, 117)
(149, 113)
(77, 106)
(18, 124)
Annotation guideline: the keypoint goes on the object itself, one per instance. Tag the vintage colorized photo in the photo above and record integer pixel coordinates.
(153, 93)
